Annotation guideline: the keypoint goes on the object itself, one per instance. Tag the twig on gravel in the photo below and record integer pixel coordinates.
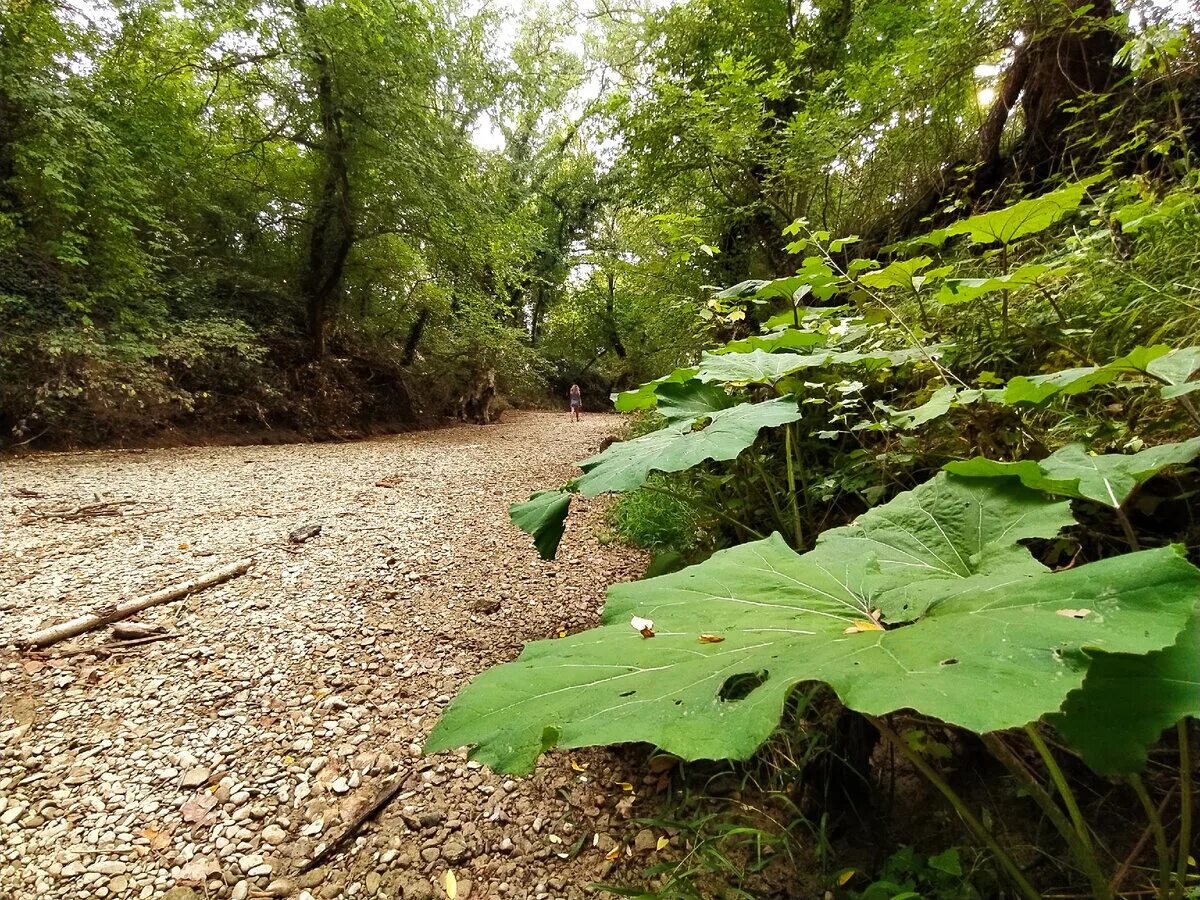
(107, 508)
(380, 803)
(117, 648)
(88, 510)
(115, 612)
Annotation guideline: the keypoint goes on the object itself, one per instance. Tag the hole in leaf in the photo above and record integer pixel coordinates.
(950, 662)
(627, 694)
(679, 703)
(739, 687)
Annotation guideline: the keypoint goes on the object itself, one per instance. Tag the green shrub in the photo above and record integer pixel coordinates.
(657, 521)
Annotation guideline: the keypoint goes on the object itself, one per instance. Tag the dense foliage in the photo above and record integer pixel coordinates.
(227, 215)
(919, 278)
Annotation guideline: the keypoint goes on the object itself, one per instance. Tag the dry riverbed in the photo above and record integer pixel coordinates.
(217, 763)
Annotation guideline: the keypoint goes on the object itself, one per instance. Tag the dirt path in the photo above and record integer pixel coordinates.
(214, 765)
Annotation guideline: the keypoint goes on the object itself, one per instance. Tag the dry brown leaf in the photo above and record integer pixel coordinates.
(199, 809)
(711, 638)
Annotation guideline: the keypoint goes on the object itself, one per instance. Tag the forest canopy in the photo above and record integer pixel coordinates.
(325, 217)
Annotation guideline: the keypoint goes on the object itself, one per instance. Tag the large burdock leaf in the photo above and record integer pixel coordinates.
(1176, 371)
(928, 542)
(1127, 701)
(999, 649)
(721, 435)
(963, 290)
(543, 516)
(760, 367)
(1004, 226)
(757, 366)
(689, 401)
(904, 273)
(1037, 389)
(644, 396)
(940, 402)
(785, 339)
(1109, 479)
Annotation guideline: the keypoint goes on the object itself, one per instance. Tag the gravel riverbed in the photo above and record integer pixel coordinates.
(216, 763)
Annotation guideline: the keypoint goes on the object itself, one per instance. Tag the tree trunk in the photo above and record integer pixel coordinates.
(332, 227)
(414, 337)
(610, 316)
(1060, 64)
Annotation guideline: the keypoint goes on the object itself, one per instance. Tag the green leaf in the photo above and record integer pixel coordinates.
(689, 401)
(963, 290)
(1038, 389)
(787, 318)
(899, 274)
(927, 541)
(940, 403)
(1073, 472)
(1004, 226)
(543, 516)
(1127, 701)
(756, 367)
(997, 649)
(726, 433)
(787, 339)
(760, 367)
(947, 861)
(644, 396)
(742, 289)
(793, 289)
(1177, 369)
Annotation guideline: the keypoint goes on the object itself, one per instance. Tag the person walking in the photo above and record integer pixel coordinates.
(576, 402)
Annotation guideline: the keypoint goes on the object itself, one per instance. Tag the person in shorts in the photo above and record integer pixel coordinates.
(576, 402)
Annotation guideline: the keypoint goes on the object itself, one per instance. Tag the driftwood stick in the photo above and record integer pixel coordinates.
(106, 615)
(114, 648)
(386, 796)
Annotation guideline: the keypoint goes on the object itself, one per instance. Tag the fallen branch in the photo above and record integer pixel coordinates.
(385, 797)
(106, 615)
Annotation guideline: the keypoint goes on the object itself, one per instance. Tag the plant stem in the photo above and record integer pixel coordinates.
(1082, 851)
(1119, 879)
(1009, 865)
(1185, 808)
(791, 471)
(1064, 789)
(1004, 293)
(1160, 836)
(1186, 401)
(1127, 527)
(772, 491)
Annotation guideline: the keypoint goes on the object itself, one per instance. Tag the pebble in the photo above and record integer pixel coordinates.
(193, 778)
